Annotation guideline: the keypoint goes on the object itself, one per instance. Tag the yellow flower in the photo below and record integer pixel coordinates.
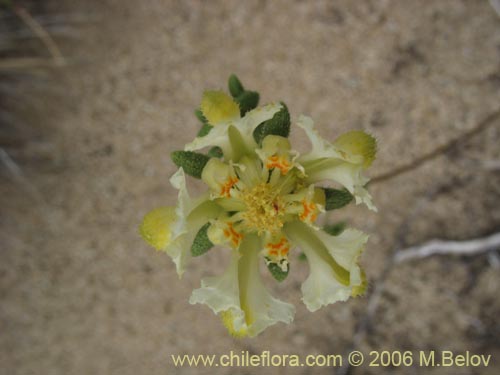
(262, 201)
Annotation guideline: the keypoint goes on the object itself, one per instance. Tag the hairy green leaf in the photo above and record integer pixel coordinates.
(335, 229)
(278, 125)
(247, 100)
(235, 86)
(201, 243)
(192, 162)
(277, 272)
(336, 198)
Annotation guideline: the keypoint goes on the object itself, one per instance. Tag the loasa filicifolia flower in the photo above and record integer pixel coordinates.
(262, 200)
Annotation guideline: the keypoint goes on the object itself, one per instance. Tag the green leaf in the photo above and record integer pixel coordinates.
(335, 229)
(247, 100)
(192, 162)
(278, 125)
(199, 114)
(235, 86)
(215, 152)
(336, 198)
(277, 272)
(201, 243)
(206, 127)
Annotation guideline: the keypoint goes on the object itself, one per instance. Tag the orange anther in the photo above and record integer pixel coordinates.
(225, 190)
(233, 236)
(310, 212)
(282, 247)
(278, 162)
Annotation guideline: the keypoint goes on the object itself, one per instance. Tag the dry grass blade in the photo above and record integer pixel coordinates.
(26, 63)
(42, 34)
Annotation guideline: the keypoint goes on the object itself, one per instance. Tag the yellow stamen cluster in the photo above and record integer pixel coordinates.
(265, 209)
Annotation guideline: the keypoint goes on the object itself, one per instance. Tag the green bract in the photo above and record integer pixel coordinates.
(262, 200)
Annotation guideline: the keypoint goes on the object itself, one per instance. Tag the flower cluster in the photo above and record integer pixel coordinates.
(263, 200)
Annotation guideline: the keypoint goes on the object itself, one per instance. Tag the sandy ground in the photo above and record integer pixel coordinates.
(82, 294)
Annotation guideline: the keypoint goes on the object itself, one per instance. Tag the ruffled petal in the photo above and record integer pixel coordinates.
(321, 148)
(257, 116)
(216, 137)
(361, 195)
(346, 248)
(341, 162)
(348, 175)
(191, 215)
(221, 293)
(240, 297)
(334, 271)
(241, 136)
(261, 308)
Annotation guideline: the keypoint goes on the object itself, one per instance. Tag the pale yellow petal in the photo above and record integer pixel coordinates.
(218, 108)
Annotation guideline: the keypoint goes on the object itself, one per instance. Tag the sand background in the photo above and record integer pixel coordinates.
(82, 294)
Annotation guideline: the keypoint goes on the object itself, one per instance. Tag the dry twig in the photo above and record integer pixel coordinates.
(414, 164)
(375, 297)
(433, 247)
